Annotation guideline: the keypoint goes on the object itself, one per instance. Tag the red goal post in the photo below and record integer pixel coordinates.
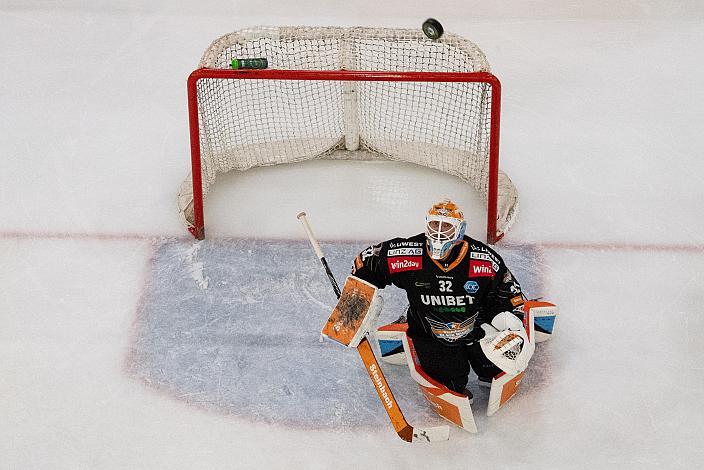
(446, 120)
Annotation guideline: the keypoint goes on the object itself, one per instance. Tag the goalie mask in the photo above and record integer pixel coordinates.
(444, 227)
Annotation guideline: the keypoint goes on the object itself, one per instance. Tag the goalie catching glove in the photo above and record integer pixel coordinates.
(355, 313)
(507, 344)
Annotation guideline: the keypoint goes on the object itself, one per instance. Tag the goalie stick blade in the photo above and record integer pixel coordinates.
(404, 430)
(434, 434)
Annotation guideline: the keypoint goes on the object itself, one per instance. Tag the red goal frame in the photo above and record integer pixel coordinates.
(198, 229)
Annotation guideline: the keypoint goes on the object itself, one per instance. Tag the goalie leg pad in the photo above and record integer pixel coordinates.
(356, 311)
(503, 388)
(544, 315)
(390, 339)
(454, 407)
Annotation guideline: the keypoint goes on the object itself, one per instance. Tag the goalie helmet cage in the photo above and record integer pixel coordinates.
(346, 93)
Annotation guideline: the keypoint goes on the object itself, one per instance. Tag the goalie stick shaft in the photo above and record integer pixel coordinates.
(319, 252)
(404, 430)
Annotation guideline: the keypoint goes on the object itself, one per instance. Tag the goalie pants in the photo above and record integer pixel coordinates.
(450, 365)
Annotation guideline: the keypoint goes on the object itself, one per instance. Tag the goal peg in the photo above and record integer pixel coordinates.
(432, 28)
(258, 63)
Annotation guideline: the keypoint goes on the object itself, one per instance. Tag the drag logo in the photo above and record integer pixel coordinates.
(481, 269)
(405, 263)
(452, 331)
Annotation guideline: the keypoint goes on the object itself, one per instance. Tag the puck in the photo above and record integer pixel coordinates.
(432, 28)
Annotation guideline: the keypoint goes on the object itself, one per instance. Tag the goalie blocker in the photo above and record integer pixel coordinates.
(355, 313)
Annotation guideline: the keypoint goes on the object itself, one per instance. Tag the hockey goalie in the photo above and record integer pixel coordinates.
(466, 312)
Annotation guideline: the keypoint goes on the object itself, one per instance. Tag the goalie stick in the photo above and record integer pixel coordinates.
(404, 430)
(318, 252)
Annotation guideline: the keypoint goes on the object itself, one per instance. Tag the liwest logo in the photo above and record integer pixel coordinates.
(405, 263)
(481, 269)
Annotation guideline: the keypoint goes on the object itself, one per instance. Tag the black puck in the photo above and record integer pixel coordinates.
(432, 28)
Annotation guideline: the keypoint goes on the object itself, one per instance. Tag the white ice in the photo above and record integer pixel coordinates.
(601, 133)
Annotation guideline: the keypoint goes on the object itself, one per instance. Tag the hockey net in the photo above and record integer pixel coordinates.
(346, 93)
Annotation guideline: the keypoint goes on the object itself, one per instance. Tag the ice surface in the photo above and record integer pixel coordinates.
(248, 344)
(122, 349)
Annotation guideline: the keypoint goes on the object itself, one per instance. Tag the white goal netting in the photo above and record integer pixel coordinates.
(245, 122)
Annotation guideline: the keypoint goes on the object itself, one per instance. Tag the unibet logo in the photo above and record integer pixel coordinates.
(447, 300)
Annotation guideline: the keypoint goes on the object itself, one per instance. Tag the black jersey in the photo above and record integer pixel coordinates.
(448, 299)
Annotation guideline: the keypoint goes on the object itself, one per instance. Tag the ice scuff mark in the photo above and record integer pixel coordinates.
(195, 267)
(320, 304)
(312, 299)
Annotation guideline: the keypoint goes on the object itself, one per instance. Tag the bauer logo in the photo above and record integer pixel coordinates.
(406, 252)
(481, 269)
(472, 287)
(405, 264)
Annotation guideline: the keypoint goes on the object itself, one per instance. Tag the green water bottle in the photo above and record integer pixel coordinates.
(258, 63)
